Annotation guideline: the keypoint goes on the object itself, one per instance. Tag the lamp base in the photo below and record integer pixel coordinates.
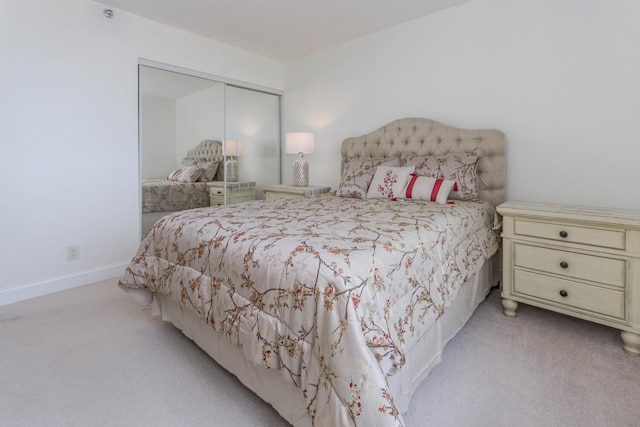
(232, 170)
(300, 173)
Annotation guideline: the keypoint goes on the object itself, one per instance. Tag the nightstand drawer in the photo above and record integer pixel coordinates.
(575, 265)
(608, 302)
(570, 233)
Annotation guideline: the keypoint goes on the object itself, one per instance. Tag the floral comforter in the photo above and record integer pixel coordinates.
(331, 291)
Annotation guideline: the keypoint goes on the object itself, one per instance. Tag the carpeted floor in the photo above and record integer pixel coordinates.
(90, 357)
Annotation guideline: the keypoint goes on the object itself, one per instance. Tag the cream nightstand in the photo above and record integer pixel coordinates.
(285, 191)
(236, 192)
(579, 261)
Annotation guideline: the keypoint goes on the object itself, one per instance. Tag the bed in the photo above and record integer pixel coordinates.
(334, 308)
(184, 188)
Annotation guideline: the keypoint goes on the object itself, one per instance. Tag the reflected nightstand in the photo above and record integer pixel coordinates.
(237, 192)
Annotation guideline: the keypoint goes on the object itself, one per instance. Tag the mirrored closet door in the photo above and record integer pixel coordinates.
(253, 123)
(191, 124)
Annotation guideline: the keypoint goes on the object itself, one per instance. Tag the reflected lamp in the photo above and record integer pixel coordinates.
(233, 149)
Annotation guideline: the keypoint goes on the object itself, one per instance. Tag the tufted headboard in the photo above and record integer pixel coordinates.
(428, 137)
(208, 150)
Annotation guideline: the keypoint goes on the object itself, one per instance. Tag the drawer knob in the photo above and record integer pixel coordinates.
(563, 293)
(563, 233)
(564, 264)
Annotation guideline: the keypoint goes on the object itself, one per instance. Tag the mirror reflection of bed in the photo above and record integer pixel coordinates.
(183, 120)
(185, 187)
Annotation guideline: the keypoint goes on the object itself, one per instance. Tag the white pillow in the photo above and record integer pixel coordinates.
(428, 188)
(388, 182)
(186, 174)
(357, 175)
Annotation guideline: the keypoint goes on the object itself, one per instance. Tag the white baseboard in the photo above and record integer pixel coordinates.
(32, 290)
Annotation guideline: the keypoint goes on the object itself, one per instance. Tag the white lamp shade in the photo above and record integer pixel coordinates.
(233, 147)
(299, 142)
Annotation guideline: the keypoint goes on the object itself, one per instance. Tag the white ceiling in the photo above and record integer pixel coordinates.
(282, 29)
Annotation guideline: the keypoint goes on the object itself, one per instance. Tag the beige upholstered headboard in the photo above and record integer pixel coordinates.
(428, 137)
(208, 150)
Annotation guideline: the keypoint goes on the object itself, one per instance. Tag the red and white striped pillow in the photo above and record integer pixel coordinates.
(459, 167)
(428, 188)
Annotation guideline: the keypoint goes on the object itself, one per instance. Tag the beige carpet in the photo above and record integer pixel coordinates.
(90, 357)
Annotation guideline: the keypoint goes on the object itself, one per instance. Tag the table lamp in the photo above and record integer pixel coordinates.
(300, 143)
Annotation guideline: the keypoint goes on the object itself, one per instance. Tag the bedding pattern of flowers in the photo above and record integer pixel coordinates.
(331, 291)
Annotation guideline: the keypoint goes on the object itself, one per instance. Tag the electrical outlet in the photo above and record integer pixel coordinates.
(73, 252)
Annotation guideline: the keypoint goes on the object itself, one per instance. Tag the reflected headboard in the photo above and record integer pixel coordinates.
(207, 150)
(427, 137)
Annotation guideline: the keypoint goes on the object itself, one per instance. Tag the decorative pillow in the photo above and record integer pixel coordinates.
(209, 169)
(185, 174)
(458, 167)
(358, 174)
(388, 182)
(428, 188)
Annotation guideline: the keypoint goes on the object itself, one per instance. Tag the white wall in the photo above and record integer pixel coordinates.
(69, 134)
(560, 78)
